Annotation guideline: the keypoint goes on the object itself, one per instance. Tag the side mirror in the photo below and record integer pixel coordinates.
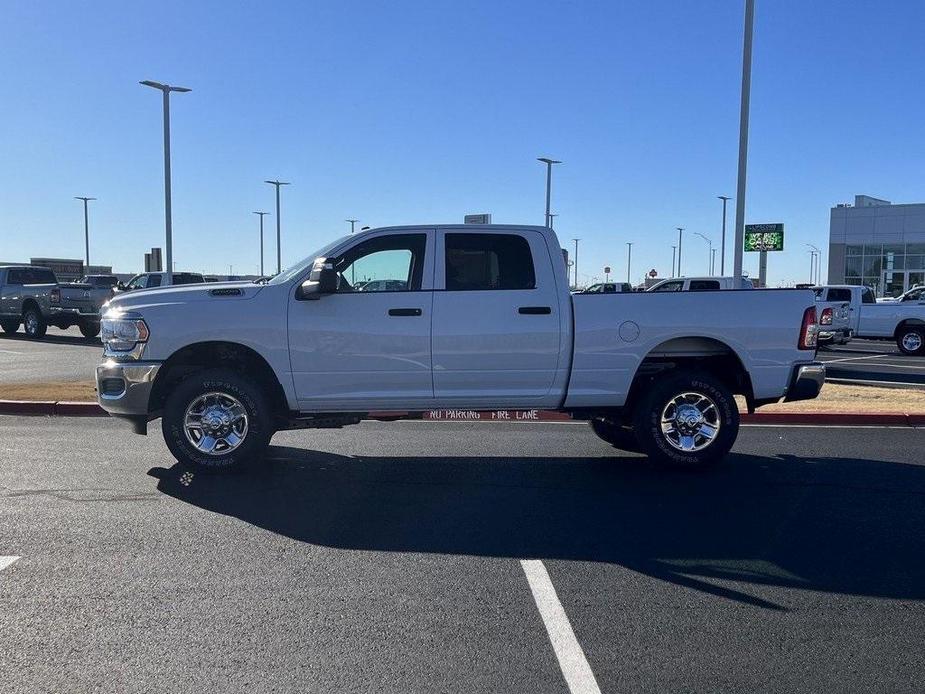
(120, 285)
(322, 280)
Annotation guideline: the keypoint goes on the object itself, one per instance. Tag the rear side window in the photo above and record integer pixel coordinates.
(839, 295)
(488, 261)
(703, 285)
(153, 281)
(32, 275)
(867, 296)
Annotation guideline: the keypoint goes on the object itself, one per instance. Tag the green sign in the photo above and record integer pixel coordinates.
(764, 237)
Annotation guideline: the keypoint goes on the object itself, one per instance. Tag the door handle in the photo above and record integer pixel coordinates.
(535, 310)
(405, 312)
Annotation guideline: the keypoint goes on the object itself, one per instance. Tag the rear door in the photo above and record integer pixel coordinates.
(496, 323)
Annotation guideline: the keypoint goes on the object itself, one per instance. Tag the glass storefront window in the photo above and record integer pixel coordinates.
(872, 265)
(895, 248)
(854, 250)
(853, 267)
(873, 249)
(915, 262)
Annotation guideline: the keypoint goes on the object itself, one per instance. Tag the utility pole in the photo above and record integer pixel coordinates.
(261, 240)
(165, 90)
(549, 163)
(743, 136)
(629, 259)
(709, 252)
(722, 253)
(86, 229)
(680, 234)
(279, 255)
(576, 261)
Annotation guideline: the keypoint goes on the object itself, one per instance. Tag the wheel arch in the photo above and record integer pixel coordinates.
(218, 354)
(908, 322)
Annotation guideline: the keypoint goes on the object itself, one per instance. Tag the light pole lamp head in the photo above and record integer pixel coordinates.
(724, 198)
(547, 160)
(78, 197)
(261, 213)
(164, 87)
(277, 183)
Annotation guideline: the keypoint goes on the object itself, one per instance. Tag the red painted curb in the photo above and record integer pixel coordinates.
(51, 408)
(79, 409)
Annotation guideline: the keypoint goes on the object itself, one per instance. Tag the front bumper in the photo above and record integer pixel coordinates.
(124, 388)
(806, 382)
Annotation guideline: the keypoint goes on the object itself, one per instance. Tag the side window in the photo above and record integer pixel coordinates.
(669, 287)
(14, 276)
(703, 285)
(839, 295)
(136, 283)
(383, 264)
(488, 261)
(867, 296)
(153, 281)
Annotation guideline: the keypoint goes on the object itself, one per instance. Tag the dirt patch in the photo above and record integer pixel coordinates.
(836, 397)
(80, 391)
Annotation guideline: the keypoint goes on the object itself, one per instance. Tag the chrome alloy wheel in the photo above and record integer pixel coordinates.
(912, 341)
(32, 323)
(215, 423)
(690, 422)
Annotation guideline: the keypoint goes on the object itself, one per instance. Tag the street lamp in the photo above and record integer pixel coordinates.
(86, 228)
(674, 250)
(743, 135)
(352, 222)
(165, 90)
(549, 163)
(261, 239)
(680, 234)
(722, 257)
(712, 262)
(576, 261)
(279, 255)
(814, 274)
(710, 252)
(629, 259)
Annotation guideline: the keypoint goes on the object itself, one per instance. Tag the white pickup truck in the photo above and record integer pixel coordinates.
(482, 320)
(902, 322)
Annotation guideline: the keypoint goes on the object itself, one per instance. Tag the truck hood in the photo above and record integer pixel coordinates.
(184, 294)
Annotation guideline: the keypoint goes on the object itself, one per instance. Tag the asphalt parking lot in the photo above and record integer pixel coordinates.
(874, 362)
(62, 355)
(410, 557)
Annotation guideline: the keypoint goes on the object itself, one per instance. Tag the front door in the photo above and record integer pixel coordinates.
(368, 345)
(496, 328)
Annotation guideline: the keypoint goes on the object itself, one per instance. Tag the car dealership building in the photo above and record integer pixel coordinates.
(877, 243)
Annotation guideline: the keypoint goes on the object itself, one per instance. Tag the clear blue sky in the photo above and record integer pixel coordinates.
(412, 112)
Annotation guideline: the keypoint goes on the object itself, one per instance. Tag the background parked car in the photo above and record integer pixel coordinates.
(700, 284)
(608, 288)
(384, 286)
(149, 280)
(834, 308)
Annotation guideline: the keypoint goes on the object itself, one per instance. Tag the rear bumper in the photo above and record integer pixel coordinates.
(806, 382)
(73, 316)
(840, 335)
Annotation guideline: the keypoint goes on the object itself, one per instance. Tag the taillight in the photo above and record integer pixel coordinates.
(809, 331)
(826, 318)
(55, 296)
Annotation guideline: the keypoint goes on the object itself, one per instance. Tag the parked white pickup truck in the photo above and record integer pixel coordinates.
(483, 320)
(902, 322)
(700, 284)
(833, 305)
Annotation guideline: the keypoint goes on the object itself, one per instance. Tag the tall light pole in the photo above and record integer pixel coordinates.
(712, 262)
(352, 222)
(576, 261)
(674, 250)
(814, 275)
(629, 259)
(709, 252)
(680, 234)
(549, 163)
(165, 90)
(261, 239)
(743, 135)
(279, 255)
(86, 228)
(722, 252)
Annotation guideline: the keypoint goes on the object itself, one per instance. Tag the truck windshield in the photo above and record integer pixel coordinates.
(295, 270)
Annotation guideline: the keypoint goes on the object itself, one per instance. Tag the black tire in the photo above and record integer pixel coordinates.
(911, 341)
(230, 385)
(89, 329)
(34, 324)
(658, 400)
(10, 326)
(618, 436)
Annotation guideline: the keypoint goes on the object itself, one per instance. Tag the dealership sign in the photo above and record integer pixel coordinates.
(764, 237)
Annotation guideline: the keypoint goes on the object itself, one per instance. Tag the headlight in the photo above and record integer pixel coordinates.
(123, 333)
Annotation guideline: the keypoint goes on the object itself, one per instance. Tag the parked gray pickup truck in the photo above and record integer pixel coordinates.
(32, 297)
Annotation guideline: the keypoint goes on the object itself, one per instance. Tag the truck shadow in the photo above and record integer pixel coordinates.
(53, 336)
(841, 525)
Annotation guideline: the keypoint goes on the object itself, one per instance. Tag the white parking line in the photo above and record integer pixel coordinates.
(871, 356)
(6, 561)
(572, 661)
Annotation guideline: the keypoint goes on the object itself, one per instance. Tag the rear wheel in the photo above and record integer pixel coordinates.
(217, 421)
(911, 341)
(89, 329)
(616, 435)
(687, 420)
(9, 326)
(33, 323)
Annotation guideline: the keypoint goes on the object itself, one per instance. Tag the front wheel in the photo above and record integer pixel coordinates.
(911, 341)
(9, 326)
(217, 420)
(687, 420)
(89, 329)
(33, 323)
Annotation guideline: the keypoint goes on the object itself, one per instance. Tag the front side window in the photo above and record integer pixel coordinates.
(669, 287)
(383, 264)
(488, 261)
(154, 281)
(867, 296)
